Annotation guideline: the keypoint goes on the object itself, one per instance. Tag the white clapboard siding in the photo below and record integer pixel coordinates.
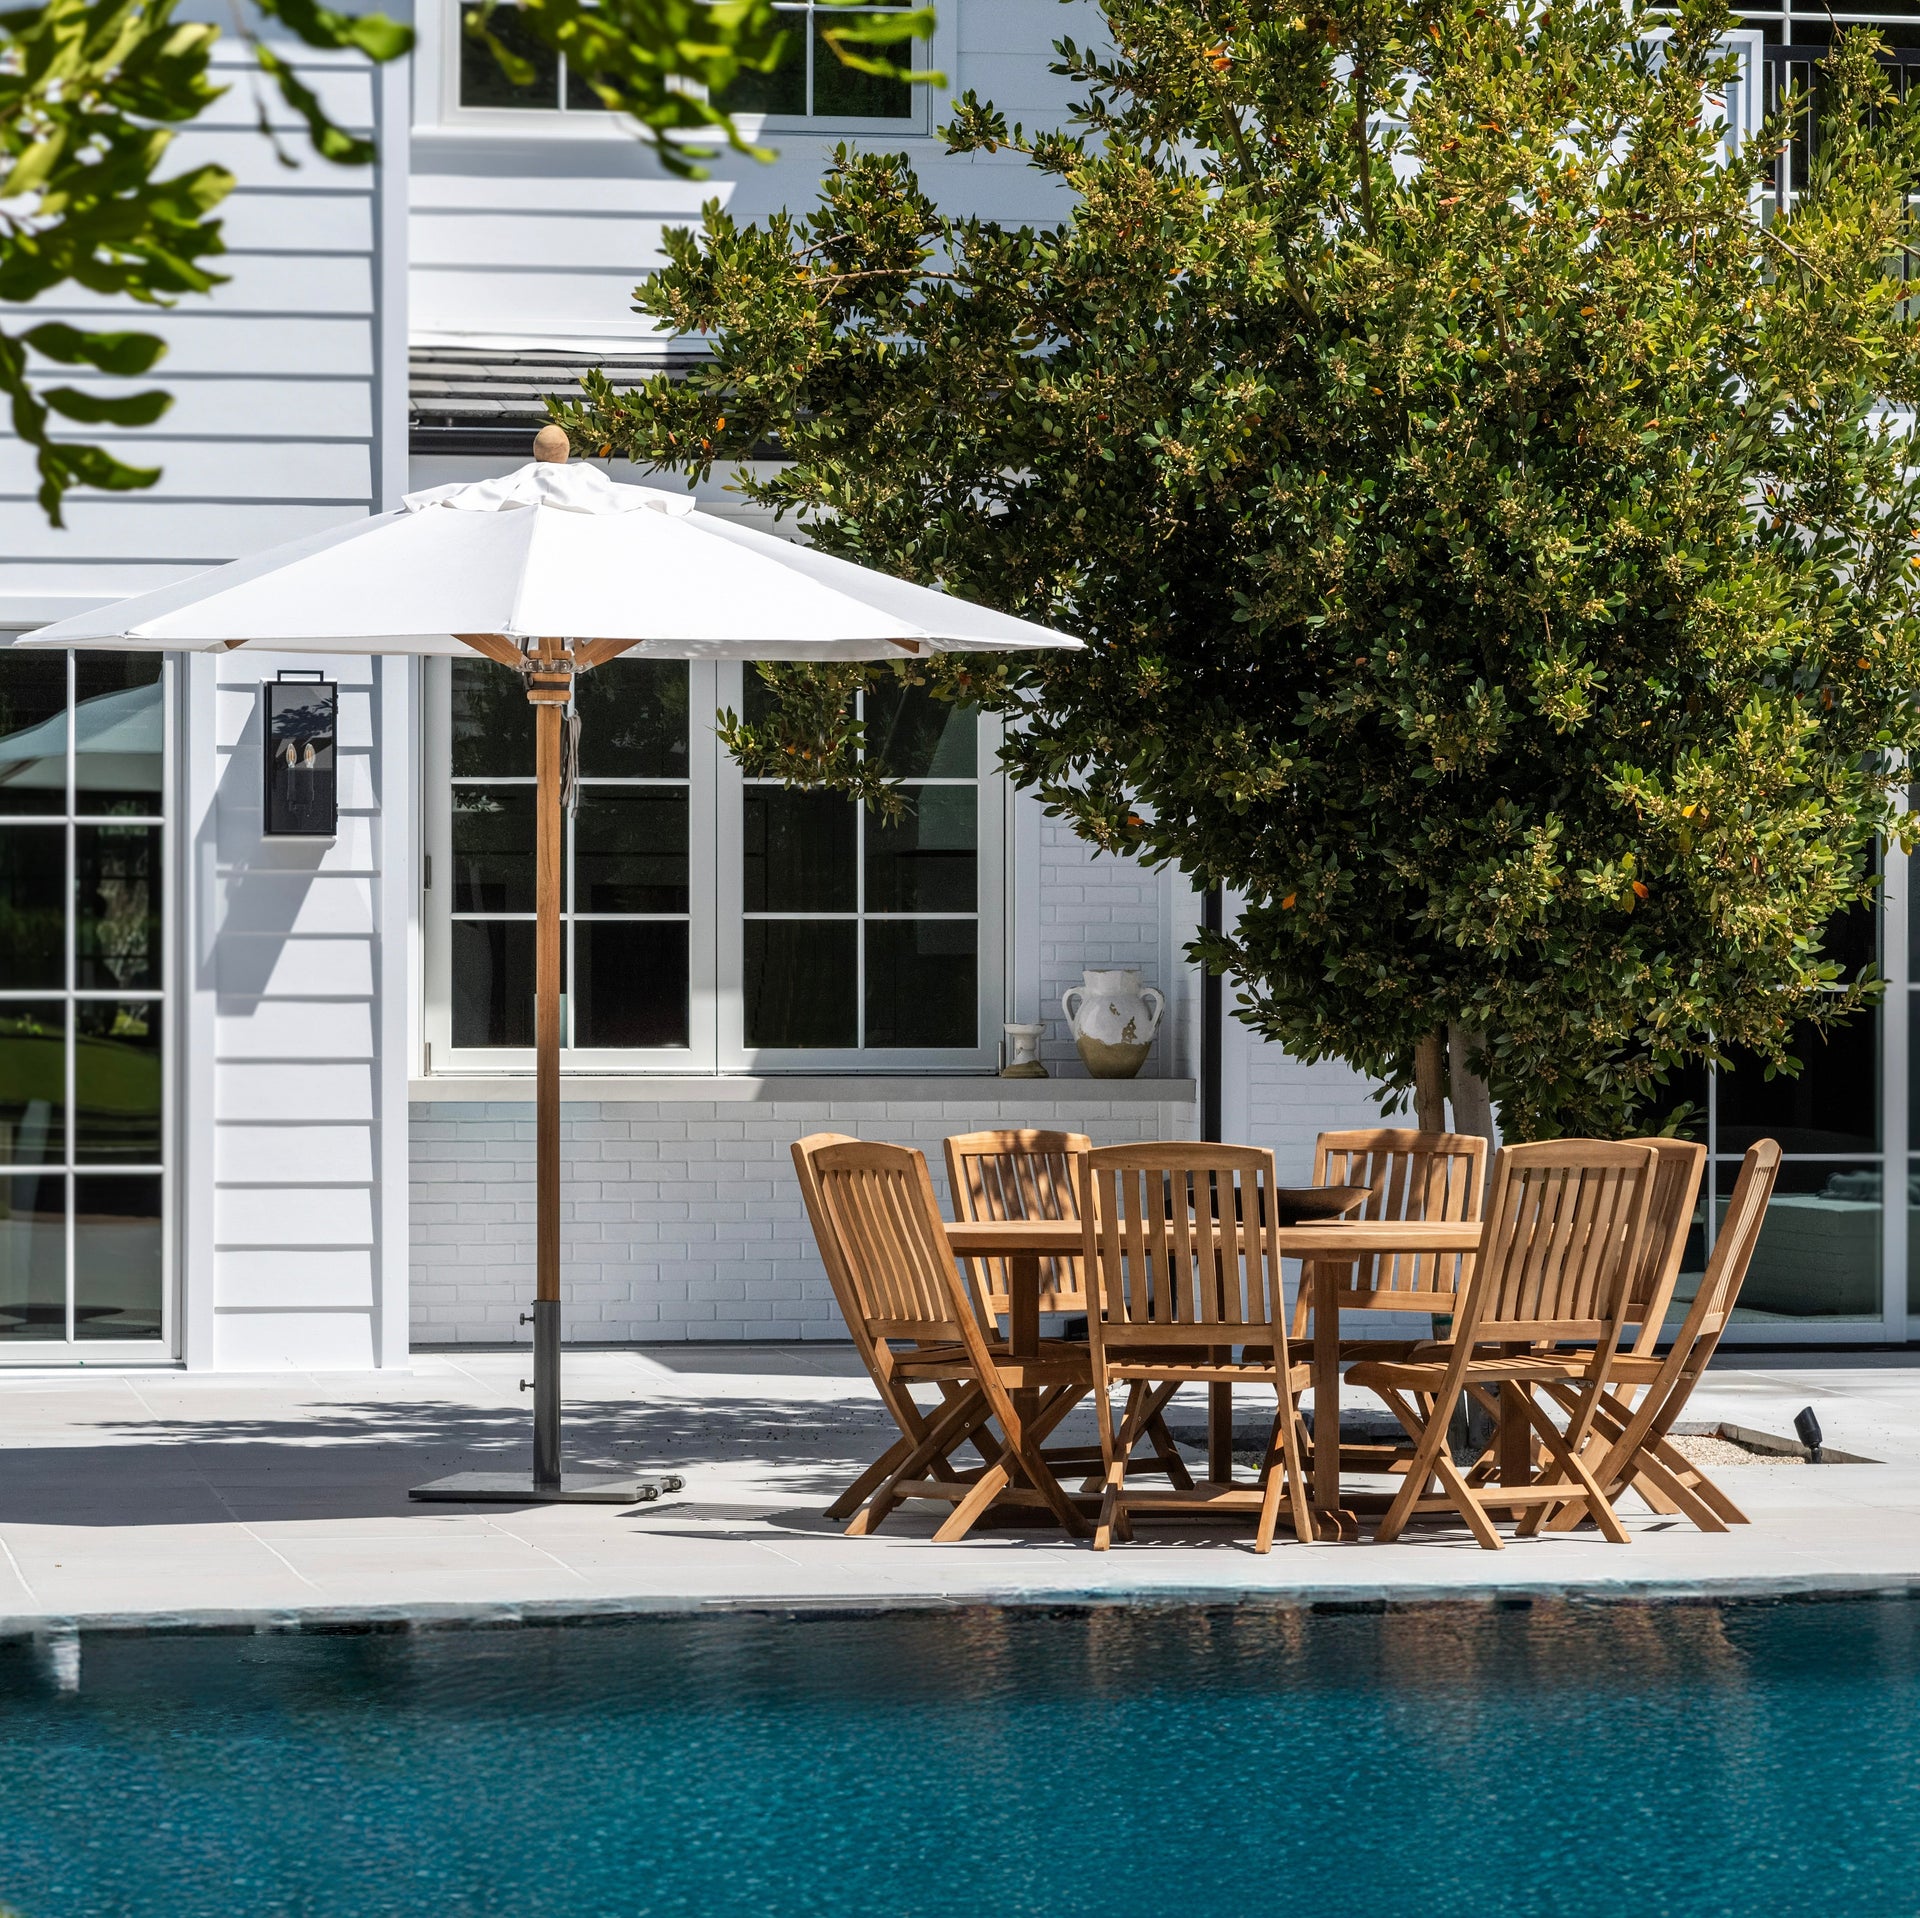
(536, 227)
(303, 1007)
(282, 421)
(289, 382)
(293, 470)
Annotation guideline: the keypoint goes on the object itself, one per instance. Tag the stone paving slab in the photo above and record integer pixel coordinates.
(163, 1500)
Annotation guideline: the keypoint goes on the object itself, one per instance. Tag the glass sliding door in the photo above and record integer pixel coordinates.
(83, 1242)
(1818, 1271)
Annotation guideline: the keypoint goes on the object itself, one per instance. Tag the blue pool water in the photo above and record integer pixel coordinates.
(1664, 1760)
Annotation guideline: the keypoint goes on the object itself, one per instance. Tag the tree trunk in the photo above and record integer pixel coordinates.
(1472, 1103)
(1430, 1084)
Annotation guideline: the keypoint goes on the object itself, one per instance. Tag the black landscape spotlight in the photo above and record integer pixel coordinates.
(1808, 1427)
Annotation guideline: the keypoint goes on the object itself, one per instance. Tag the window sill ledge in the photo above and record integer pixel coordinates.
(980, 1089)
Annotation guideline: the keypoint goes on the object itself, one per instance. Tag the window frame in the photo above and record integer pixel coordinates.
(438, 916)
(736, 1056)
(570, 122)
(716, 1010)
(169, 999)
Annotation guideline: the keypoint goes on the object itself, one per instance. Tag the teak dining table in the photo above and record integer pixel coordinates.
(1326, 1249)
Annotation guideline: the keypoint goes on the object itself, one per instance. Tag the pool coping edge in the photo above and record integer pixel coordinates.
(495, 1615)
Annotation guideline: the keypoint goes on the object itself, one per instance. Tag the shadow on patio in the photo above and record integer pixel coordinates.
(357, 1459)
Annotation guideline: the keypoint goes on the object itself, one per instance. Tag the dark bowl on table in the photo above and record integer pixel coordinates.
(1303, 1204)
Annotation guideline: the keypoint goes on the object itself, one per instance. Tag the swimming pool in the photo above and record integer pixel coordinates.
(1675, 1759)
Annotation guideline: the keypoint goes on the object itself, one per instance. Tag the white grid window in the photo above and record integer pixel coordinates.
(82, 1056)
(712, 923)
(810, 84)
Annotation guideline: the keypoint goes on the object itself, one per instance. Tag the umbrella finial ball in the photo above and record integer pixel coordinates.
(550, 446)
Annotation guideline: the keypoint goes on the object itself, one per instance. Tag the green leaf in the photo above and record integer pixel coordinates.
(97, 409)
(331, 142)
(126, 354)
(374, 34)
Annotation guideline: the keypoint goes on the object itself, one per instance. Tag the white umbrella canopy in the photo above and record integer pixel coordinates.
(551, 570)
(551, 549)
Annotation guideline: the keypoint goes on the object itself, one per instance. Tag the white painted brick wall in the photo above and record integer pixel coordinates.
(1096, 910)
(679, 1220)
(1288, 1103)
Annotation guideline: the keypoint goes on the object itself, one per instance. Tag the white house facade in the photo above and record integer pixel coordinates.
(266, 1101)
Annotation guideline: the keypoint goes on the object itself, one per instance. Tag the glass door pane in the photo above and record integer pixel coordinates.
(82, 873)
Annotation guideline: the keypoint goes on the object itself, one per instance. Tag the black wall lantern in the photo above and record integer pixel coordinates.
(303, 785)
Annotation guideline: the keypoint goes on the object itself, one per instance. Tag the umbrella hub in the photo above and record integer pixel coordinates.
(550, 680)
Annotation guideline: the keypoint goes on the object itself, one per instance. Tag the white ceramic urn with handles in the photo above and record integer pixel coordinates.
(1113, 1023)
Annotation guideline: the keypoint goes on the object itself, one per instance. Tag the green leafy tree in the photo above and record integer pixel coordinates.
(1489, 511)
(91, 91)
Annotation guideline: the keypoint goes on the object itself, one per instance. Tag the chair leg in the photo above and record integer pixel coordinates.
(1272, 1481)
(882, 1468)
(1697, 1481)
(1120, 1444)
(1574, 1467)
(1285, 1451)
(1610, 1419)
(1648, 1472)
(998, 1476)
(1306, 1522)
(986, 1488)
(1165, 1451)
(948, 1427)
(1461, 1496)
(1429, 1437)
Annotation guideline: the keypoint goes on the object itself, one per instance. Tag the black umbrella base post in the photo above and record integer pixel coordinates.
(546, 1484)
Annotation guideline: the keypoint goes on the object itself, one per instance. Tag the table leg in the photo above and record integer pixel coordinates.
(1515, 1443)
(1023, 1322)
(1325, 1280)
(1220, 1433)
(1023, 1327)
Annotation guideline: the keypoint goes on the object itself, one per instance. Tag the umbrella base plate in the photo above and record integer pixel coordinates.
(518, 1488)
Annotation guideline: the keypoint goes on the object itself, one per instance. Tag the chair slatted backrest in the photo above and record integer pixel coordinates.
(1713, 1304)
(1020, 1175)
(825, 1238)
(1409, 1176)
(1183, 1238)
(1676, 1190)
(879, 1204)
(1563, 1232)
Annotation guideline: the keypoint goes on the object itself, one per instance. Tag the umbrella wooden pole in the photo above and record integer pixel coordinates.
(549, 686)
(549, 666)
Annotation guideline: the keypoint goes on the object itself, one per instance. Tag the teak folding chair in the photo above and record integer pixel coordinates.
(1676, 1190)
(1019, 1175)
(880, 1363)
(1678, 1166)
(1036, 1175)
(1182, 1244)
(1631, 1444)
(874, 1204)
(1563, 1235)
(1412, 1176)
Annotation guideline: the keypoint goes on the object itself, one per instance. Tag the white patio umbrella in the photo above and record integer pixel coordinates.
(551, 571)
